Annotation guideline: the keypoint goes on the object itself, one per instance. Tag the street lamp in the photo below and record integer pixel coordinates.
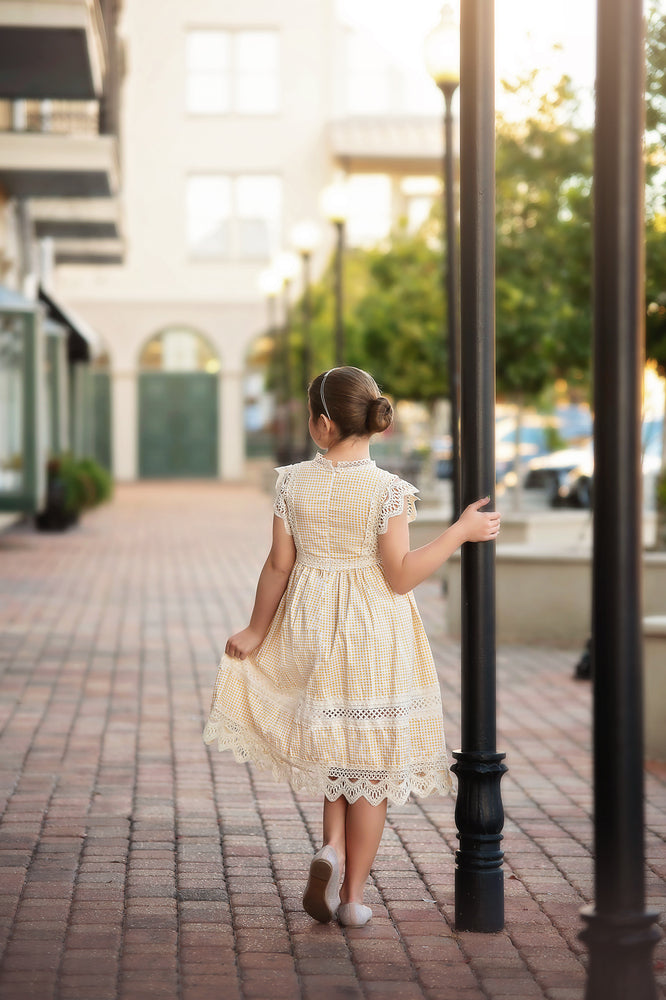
(479, 879)
(335, 208)
(620, 934)
(305, 237)
(442, 57)
(270, 284)
(286, 265)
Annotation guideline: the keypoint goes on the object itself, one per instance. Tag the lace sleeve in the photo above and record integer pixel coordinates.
(280, 500)
(399, 495)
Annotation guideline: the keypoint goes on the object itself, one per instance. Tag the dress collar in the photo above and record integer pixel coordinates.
(357, 464)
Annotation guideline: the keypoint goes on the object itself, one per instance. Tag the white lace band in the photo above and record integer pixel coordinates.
(321, 391)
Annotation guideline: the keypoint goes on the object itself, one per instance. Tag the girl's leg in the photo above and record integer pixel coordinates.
(364, 828)
(334, 822)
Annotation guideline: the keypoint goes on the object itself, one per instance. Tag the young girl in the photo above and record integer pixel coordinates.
(332, 684)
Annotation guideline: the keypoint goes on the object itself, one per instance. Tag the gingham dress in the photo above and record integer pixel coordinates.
(341, 697)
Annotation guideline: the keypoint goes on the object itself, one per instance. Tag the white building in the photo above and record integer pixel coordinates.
(233, 118)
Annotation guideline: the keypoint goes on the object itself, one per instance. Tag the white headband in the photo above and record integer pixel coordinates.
(321, 391)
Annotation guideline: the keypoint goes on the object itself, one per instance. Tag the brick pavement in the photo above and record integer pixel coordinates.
(139, 865)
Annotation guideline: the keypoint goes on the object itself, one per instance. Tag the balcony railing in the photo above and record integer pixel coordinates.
(50, 117)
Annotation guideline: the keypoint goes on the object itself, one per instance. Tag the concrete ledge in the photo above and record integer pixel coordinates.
(557, 528)
(654, 685)
(544, 595)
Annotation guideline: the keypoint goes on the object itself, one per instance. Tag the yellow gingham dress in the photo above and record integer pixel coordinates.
(341, 697)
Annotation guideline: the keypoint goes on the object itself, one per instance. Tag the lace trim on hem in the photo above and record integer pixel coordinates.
(421, 706)
(421, 778)
(421, 703)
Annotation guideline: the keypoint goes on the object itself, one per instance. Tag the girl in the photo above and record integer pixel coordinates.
(332, 684)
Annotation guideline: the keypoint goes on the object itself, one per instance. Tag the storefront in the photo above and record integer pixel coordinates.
(23, 418)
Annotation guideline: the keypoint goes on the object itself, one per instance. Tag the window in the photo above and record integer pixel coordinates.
(256, 72)
(178, 350)
(236, 217)
(208, 72)
(259, 212)
(208, 215)
(232, 71)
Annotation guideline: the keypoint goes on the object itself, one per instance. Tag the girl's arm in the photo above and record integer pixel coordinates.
(272, 585)
(404, 569)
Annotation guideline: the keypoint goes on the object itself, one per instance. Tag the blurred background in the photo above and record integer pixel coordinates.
(203, 205)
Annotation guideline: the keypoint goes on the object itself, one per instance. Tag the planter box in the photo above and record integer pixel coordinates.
(570, 529)
(544, 595)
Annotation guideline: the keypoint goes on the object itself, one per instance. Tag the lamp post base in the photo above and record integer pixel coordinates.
(479, 879)
(620, 955)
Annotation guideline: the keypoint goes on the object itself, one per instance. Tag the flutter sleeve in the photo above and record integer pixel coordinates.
(400, 496)
(280, 506)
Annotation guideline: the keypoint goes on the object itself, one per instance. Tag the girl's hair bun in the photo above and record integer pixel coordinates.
(380, 415)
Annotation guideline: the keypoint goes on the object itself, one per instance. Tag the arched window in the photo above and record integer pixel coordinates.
(178, 350)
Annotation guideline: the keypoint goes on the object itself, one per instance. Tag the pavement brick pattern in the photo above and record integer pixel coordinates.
(137, 864)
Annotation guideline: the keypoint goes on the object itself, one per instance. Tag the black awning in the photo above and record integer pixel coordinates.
(83, 343)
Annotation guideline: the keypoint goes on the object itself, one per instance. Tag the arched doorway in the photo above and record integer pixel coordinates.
(178, 406)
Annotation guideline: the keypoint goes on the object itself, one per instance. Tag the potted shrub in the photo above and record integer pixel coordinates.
(72, 486)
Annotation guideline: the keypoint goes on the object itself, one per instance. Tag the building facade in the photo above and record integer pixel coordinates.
(59, 184)
(231, 121)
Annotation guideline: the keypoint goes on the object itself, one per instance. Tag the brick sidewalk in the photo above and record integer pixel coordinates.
(137, 864)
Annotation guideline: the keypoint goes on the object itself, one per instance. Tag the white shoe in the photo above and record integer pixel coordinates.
(354, 914)
(321, 898)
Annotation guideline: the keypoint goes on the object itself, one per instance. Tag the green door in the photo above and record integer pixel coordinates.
(102, 421)
(177, 424)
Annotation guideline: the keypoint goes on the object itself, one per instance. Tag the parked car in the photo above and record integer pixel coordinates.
(553, 473)
(536, 436)
(568, 476)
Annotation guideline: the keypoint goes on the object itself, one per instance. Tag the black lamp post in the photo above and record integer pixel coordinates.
(269, 285)
(305, 238)
(620, 935)
(334, 205)
(286, 266)
(442, 55)
(479, 879)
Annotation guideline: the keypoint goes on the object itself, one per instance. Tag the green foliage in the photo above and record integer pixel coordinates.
(655, 89)
(394, 300)
(83, 482)
(99, 484)
(543, 245)
(553, 439)
(655, 234)
(400, 319)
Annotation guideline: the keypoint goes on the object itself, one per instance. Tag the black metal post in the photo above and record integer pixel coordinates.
(619, 934)
(307, 348)
(307, 321)
(479, 879)
(339, 294)
(286, 347)
(274, 334)
(451, 284)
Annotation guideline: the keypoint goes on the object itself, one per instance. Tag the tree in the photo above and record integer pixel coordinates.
(394, 296)
(400, 318)
(543, 249)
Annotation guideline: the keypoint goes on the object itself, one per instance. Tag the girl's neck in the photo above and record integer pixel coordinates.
(349, 450)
